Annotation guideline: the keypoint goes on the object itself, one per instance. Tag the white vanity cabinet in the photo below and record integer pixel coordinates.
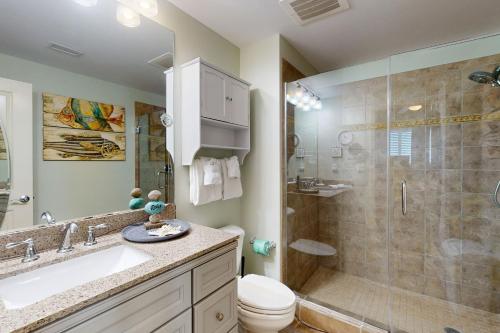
(215, 110)
(197, 297)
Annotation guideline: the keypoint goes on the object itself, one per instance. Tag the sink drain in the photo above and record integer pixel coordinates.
(451, 330)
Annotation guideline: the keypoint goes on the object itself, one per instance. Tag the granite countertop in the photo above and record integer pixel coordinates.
(166, 256)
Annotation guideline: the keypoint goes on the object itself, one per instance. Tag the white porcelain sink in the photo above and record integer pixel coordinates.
(30, 287)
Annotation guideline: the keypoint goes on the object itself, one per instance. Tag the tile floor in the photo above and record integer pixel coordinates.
(411, 312)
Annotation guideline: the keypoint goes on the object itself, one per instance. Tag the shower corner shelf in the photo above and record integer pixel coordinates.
(215, 111)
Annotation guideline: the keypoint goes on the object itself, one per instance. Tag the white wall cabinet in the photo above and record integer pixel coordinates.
(165, 304)
(215, 110)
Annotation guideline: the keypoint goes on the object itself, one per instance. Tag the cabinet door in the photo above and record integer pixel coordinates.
(213, 94)
(181, 324)
(145, 312)
(238, 103)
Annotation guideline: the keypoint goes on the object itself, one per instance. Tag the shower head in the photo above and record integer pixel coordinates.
(486, 77)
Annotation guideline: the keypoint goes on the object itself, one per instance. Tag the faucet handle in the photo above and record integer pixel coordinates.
(31, 253)
(91, 234)
(99, 226)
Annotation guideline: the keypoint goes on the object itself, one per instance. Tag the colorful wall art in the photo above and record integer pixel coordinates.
(79, 130)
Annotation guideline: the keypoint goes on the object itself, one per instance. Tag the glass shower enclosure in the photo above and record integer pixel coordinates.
(393, 215)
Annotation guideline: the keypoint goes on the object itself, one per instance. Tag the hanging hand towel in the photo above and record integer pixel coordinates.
(233, 167)
(232, 186)
(211, 171)
(199, 193)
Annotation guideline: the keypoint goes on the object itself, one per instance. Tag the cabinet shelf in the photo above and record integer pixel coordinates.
(215, 111)
(224, 147)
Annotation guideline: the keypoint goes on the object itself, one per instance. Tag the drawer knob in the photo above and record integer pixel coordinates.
(219, 316)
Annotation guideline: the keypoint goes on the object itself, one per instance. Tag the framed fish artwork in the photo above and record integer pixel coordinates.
(75, 129)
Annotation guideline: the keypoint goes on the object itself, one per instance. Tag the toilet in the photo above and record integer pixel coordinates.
(264, 304)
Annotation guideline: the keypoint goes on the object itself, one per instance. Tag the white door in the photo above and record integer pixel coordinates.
(238, 104)
(213, 94)
(16, 115)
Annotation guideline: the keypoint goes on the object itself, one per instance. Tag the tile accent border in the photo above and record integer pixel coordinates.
(493, 116)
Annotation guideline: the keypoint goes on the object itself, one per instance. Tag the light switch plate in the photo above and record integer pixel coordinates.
(336, 152)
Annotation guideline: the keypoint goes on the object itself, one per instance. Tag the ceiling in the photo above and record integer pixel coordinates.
(111, 51)
(371, 29)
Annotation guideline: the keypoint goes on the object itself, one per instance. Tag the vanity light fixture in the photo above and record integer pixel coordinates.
(127, 16)
(86, 3)
(415, 108)
(303, 98)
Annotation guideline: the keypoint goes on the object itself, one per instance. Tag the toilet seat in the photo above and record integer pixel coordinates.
(265, 312)
(260, 294)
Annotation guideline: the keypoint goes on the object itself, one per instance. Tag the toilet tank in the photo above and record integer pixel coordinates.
(235, 230)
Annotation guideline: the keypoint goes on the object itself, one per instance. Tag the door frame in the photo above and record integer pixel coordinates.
(19, 97)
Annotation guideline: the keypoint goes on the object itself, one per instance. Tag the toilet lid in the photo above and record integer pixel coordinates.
(264, 293)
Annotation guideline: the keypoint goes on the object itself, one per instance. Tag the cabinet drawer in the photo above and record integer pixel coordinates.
(210, 276)
(145, 312)
(181, 324)
(217, 313)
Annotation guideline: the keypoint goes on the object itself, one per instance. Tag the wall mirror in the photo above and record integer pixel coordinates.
(85, 108)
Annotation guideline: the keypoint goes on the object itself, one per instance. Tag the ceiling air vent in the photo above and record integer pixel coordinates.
(64, 49)
(305, 11)
(164, 61)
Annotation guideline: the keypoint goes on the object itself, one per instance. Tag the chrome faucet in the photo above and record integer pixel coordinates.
(91, 233)
(68, 229)
(48, 218)
(31, 254)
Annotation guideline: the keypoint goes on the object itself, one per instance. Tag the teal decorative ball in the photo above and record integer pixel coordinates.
(154, 207)
(136, 203)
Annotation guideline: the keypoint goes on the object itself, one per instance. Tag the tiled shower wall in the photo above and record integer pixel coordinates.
(448, 244)
(302, 223)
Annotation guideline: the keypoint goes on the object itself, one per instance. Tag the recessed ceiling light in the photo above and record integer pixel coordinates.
(127, 17)
(415, 108)
(148, 8)
(86, 3)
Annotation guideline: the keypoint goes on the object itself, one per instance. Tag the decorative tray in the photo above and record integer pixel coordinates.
(137, 232)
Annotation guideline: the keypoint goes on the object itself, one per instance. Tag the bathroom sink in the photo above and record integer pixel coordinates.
(30, 287)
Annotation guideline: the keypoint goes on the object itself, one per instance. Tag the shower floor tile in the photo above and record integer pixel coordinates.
(411, 312)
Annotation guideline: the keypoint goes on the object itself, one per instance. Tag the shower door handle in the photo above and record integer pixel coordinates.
(495, 195)
(403, 196)
(158, 179)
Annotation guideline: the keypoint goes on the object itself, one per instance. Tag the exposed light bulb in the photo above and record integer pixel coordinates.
(299, 93)
(318, 105)
(415, 107)
(86, 3)
(148, 8)
(306, 107)
(300, 105)
(306, 98)
(127, 16)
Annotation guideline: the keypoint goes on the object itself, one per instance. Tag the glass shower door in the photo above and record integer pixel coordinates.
(337, 238)
(153, 163)
(444, 226)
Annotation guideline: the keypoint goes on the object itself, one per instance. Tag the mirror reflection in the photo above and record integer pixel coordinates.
(82, 108)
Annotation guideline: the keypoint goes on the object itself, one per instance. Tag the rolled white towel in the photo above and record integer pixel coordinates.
(233, 167)
(211, 171)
